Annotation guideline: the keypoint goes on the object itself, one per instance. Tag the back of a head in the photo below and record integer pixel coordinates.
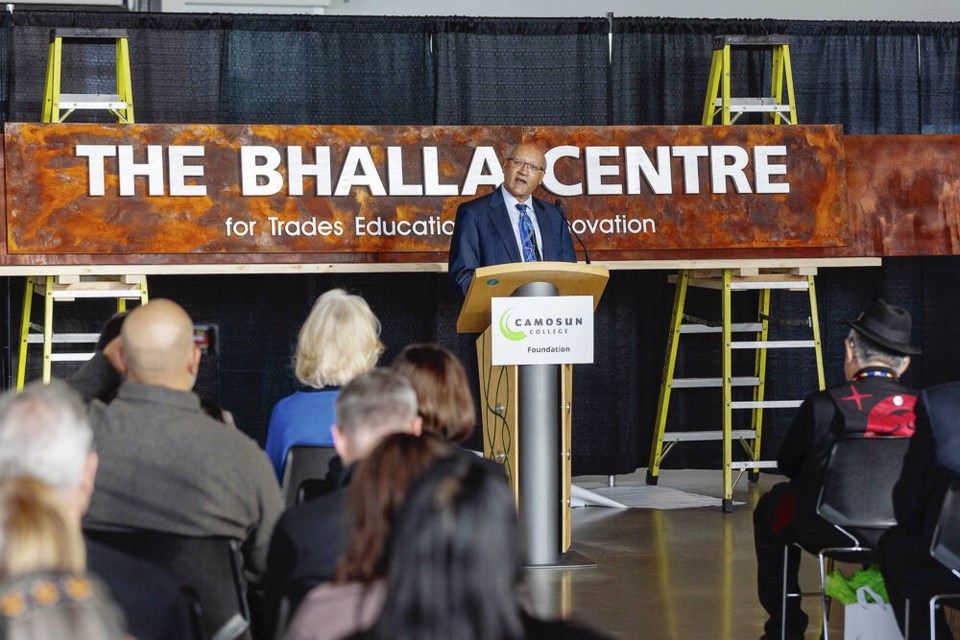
(51, 605)
(378, 401)
(338, 341)
(157, 341)
(377, 492)
(36, 532)
(45, 433)
(454, 558)
(443, 392)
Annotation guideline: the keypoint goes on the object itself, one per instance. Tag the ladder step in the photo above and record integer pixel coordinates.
(91, 101)
(774, 344)
(792, 285)
(772, 40)
(705, 383)
(766, 404)
(755, 105)
(87, 34)
(755, 464)
(737, 327)
(705, 436)
(70, 357)
(64, 338)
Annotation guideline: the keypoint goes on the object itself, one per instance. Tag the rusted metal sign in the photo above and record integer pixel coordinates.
(265, 189)
(905, 194)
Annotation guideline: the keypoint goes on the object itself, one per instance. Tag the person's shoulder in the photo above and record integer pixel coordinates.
(313, 512)
(945, 391)
(480, 202)
(539, 629)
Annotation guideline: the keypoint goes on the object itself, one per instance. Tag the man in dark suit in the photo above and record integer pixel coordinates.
(931, 463)
(308, 538)
(45, 433)
(509, 225)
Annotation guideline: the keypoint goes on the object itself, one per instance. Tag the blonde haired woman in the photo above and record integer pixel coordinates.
(44, 592)
(339, 340)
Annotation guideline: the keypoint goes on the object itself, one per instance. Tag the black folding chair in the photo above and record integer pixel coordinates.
(210, 569)
(945, 546)
(304, 462)
(856, 497)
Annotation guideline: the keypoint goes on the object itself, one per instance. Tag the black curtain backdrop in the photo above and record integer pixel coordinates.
(283, 70)
(521, 72)
(869, 77)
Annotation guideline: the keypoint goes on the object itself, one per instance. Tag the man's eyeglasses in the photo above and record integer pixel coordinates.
(519, 164)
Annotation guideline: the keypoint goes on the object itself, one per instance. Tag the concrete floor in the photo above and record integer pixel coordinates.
(685, 574)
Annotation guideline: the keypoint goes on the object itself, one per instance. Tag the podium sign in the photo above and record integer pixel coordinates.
(542, 330)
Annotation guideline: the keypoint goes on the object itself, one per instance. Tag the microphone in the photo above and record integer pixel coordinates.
(559, 205)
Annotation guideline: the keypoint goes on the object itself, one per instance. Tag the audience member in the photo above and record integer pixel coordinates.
(45, 434)
(44, 592)
(49, 605)
(164, 464)
(931, 464)
(444, 400)
(339, 340)
(36, 533)
(379, 487)
(309, 538)
(872, 401)
(455, 564)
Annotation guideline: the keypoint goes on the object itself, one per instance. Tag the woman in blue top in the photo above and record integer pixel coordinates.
(339, 340)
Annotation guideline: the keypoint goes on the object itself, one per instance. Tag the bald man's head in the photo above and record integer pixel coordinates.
(158, 347)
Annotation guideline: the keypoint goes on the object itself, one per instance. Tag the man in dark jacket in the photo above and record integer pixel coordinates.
(931, 463)
(872, 401)
(308, 538)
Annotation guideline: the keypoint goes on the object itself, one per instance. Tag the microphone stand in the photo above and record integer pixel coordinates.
(586, 255)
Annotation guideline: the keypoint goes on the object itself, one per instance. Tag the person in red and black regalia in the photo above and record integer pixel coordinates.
(871, 401)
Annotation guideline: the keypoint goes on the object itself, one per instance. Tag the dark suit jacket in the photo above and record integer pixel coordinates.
(931, 462)
(148, 594)
(483, 236)
(304, 549)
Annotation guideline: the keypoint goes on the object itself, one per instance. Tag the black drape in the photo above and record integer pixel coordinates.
(521, 72)
(173, 64)
(336, 70)
(870, 77)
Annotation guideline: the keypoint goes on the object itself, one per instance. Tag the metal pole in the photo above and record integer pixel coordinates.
(539, 454)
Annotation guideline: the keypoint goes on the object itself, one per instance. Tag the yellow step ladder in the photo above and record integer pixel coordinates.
(58, 106)
(728, 281)
(63, 287)
(731, 108)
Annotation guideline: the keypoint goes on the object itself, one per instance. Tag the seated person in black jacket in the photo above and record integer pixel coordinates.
(308, 538)
(45, 433)
(931, 463)
(871, 401)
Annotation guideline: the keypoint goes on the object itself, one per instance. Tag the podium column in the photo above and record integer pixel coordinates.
(539, 432)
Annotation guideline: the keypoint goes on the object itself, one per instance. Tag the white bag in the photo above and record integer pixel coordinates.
(865, 620)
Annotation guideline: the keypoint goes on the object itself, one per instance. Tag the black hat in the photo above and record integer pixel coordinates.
(887, 325)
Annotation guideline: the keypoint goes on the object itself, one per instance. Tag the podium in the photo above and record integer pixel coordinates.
(527, 410)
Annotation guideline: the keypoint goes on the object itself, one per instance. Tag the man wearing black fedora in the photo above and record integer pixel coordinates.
(871, 401)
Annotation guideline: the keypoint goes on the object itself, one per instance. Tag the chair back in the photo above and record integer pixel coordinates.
(857, 491)
(210, 569)
(304, 462)
(945, 545)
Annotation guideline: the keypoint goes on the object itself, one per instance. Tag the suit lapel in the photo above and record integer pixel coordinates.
(546, 228)
(501, 222)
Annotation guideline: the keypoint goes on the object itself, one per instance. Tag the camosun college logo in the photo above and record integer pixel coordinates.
(505, 329)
